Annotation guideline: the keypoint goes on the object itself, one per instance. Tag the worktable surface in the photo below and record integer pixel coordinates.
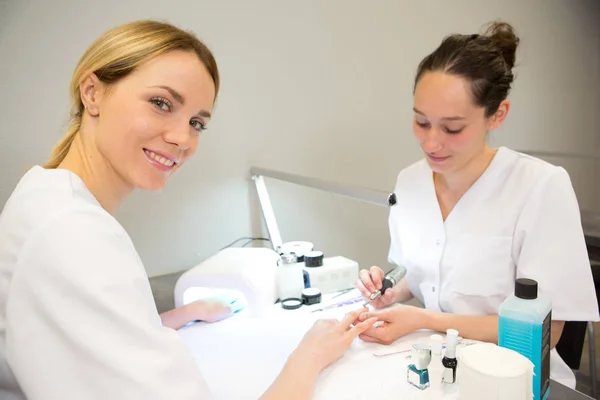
(241, 356)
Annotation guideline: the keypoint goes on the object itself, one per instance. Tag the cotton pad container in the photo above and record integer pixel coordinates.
(486, 371)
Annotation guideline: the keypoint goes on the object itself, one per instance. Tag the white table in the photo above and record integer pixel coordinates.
(241, 356)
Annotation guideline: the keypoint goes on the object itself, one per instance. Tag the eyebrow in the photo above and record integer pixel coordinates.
(455, 118)
(180, 99)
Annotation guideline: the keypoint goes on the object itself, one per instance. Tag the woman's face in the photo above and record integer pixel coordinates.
(450, 128)
(147, 125)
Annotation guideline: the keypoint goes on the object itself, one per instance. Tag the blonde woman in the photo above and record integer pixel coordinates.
(77, 317)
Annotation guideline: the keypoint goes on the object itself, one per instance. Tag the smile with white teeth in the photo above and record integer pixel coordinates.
(160, 159)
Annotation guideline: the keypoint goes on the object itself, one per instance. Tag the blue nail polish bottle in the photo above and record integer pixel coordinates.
(417, 373)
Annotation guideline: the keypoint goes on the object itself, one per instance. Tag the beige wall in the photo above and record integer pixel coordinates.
(319, 88)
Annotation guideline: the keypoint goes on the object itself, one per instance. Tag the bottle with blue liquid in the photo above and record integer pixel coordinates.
(524, 321)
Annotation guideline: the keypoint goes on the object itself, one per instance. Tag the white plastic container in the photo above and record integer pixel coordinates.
(290, 277)
(488, 371)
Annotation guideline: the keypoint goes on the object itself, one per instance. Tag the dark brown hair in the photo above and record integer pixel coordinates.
(485, 60)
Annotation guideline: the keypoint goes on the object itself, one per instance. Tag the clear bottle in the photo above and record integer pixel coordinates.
(290, 277)
(524, 321)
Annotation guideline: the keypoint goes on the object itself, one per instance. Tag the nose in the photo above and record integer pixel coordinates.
(179, 135)
(432, 141)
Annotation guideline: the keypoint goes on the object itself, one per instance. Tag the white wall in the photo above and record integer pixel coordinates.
(316, 88)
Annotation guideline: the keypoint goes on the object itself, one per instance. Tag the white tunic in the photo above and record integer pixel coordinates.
(519, 219)
(77, 316)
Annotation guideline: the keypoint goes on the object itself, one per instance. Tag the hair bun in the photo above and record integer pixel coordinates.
(503, 36)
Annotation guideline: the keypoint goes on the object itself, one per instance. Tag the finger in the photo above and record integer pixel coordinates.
(222, 310)
(378, 333)
(350, 318)
(388, 314)
(365, 277)
(377, 276)
(362, 289)
(361, 327)
(365, 315)
(370, 339)
(389, 296)
(355, 322)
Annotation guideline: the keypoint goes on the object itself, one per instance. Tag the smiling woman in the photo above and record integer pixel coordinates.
(77, 315)
(135, 129)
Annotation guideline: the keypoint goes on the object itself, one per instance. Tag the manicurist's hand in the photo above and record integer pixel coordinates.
(394, 322)
(370, 281)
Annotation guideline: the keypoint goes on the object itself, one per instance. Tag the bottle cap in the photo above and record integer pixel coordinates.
(313, 259)
(436, 344)
(291, 304)
(526, 289)
(299, 248)
(451, 339)
(391, 199)
(287, 258)
(420, 356)
(311, 296)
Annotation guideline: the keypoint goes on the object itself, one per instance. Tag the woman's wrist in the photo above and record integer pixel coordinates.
(296, 380)
(402, 295)
(426, 319)
(398, 295)
(306, 363)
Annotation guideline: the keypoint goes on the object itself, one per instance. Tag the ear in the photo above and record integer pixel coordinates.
(91, 91)
(499, 116)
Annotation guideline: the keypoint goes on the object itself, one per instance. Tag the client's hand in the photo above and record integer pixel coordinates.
(394, 322)
(329, 339)
(209, 310)
(370, 281)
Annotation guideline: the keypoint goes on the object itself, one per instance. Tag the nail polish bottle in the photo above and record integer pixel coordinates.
(436, 369)
(449, 361)
(436, 345)
(417, 373)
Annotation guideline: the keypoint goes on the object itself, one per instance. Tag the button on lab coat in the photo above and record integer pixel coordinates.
(520, 219)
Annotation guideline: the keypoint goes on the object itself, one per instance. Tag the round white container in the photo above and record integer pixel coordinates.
(487, 371)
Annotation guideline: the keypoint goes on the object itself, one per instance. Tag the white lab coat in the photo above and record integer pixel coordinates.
(77, 316)
(519, 219)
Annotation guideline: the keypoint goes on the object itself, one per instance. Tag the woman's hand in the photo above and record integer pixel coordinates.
(323, 344)
(209, 310)
(329, 339)
(395, 322)
(370, 281)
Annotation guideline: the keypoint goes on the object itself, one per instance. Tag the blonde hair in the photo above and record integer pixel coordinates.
(117, 53)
